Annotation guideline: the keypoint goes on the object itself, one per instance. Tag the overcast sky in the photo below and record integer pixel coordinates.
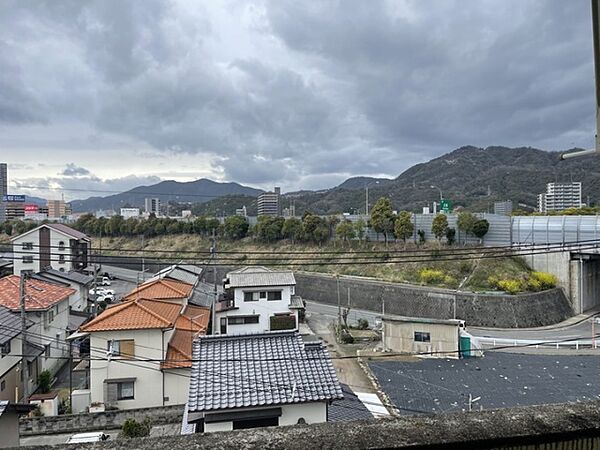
(108, 95)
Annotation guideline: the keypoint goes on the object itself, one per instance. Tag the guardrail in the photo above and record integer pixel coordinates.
(490, 342)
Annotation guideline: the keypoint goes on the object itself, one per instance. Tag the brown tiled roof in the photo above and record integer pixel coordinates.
(162, 289)
(39, 294)
(135, 315)
(190, 324)
(68, 230)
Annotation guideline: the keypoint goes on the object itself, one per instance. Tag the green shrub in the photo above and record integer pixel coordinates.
(542, 281)
(133, 429)
(431, 276)
(363, 324)
(511, 286)
(44, 381)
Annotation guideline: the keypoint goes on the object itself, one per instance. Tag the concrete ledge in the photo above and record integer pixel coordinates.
(576, 424)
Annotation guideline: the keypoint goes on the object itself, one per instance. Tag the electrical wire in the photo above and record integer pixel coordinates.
(440, 251)
(318, 261)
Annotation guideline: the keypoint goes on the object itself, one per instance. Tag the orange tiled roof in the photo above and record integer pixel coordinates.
(190, 324)
(39, 294)
(135, 315)
(161, 289)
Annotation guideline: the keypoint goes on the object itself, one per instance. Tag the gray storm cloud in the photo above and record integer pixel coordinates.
(304, 90)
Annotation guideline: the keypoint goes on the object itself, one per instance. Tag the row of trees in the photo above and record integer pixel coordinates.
(310, 228)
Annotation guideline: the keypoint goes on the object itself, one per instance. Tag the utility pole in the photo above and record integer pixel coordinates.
(337, 278)
(100, 258)
(143, 261)
(24, 363)
(213, 254)
(367, 200)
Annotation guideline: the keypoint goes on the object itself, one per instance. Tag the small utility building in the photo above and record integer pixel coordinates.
(439, 338)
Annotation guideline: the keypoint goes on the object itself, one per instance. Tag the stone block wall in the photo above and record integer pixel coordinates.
(80, 423)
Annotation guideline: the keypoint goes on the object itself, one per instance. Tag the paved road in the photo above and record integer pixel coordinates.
(126, 274)
(578, 327)
(332, 312)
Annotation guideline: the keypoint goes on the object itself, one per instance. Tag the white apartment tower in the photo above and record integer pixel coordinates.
(560, 196)
(268, 203)
(152, 205)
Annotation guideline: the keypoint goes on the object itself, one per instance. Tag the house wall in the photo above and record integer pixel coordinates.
(262, 307)
(148, 390)
(314, 412)
(77, 301)
(53, 333)
(9, 373)
(399, 337)
(9, 430)
(177, 385)
(55, 238)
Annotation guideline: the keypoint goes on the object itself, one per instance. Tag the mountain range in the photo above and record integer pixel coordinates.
(471, 177)
(199, 191)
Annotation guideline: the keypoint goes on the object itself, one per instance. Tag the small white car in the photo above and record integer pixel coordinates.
(103, 281)
(95, 436)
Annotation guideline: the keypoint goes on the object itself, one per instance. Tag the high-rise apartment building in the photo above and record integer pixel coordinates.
(152, 205)
(560, 196)
(268, 203)
(58, 208)
(3, 189)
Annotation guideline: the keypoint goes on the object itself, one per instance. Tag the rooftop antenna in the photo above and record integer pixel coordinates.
(596, 37)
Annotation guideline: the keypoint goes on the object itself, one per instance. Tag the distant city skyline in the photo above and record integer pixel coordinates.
(106, 95)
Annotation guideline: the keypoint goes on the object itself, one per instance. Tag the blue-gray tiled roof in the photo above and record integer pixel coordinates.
(260, 370)
(10, 325)
(348, 409)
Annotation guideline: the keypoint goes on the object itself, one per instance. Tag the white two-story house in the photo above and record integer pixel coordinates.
(47, 313)
(257, 299)
(51, 245)
(141, 352)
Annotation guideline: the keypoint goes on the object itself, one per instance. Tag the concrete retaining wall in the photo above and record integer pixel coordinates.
(80, 423)
(505, 311)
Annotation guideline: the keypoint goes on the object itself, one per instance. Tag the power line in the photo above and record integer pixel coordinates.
(331, 261)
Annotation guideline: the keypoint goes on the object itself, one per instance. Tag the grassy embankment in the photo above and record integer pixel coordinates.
(433, 272)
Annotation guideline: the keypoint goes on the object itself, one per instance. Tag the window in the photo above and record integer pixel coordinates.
(2, 385)
(263, 294)
(27, 246)
(50, 315)
(61, 246)
(421, 336)
(274, 295)
(61, 259)
(5, 349)
(47, 351)
(250, 296)
(242, 320)
(255, 423)
(125, 390)
(27, 259)
(124, 348)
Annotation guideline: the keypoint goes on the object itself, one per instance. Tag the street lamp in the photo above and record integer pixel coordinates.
(435, 187)
(367, 195)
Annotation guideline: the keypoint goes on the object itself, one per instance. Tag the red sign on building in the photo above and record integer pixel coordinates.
(31, 209)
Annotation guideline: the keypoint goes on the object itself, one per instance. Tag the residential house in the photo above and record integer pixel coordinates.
(10, 355)
(51, 245)
(161, 289)
(9, 422)
(76, 280)
(160, 331)
(257, 380)
(257, 299)
(432, 337)
(47, 308)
